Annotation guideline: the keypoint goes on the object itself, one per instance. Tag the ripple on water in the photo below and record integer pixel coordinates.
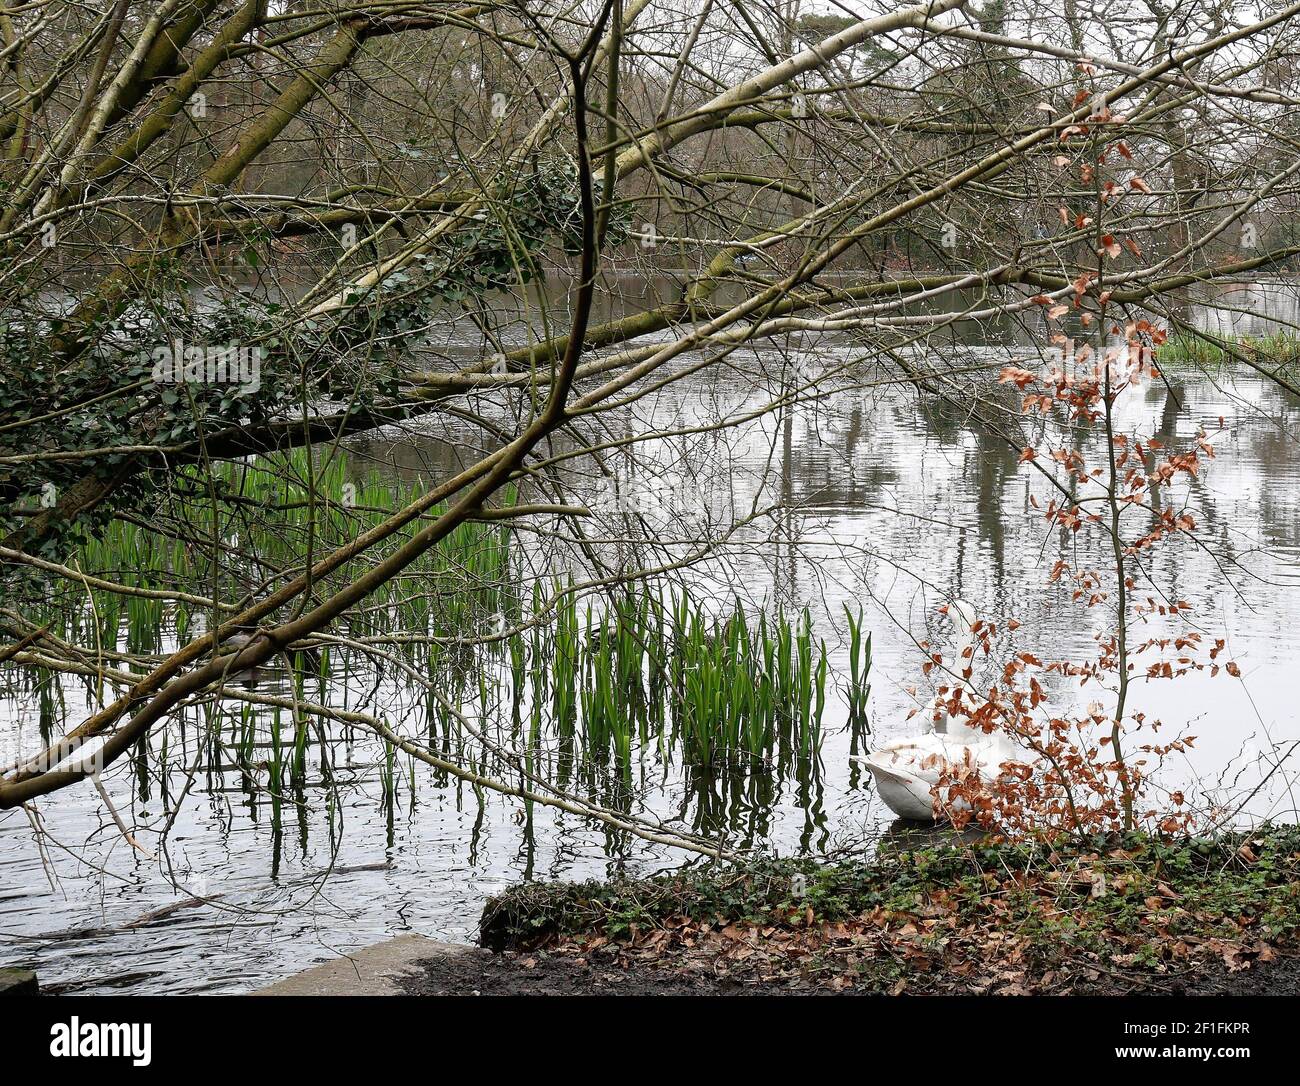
(973, 533)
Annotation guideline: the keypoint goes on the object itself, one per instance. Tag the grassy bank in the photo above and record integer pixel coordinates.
(1207, 352)
(1112, 915)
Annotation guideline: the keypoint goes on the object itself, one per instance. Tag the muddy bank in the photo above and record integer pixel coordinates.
(1116, 915)
(512, 973)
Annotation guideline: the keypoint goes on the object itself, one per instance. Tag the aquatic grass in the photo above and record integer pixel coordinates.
(583, 687)
(859, 667)
(1205, 351)
(261, 530)
(659, 671)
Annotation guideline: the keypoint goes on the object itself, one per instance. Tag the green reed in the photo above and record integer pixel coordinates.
(858, 689)
(658, 671)
(271, 514)
(1278, 348)
(597, 684)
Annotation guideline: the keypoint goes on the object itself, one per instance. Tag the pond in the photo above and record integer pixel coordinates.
(894, 505)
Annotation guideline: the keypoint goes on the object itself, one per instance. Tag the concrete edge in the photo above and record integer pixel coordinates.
(373, 971)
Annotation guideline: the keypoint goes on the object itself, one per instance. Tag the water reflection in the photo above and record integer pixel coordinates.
(891, 503)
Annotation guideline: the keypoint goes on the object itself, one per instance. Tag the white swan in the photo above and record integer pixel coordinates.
(906, 770)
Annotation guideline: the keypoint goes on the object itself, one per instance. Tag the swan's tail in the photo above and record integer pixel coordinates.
(878, 766)
(903, 793)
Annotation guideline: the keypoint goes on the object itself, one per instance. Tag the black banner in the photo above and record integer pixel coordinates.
(146, 1035)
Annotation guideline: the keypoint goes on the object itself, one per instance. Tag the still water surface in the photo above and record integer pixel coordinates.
(899, 504)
